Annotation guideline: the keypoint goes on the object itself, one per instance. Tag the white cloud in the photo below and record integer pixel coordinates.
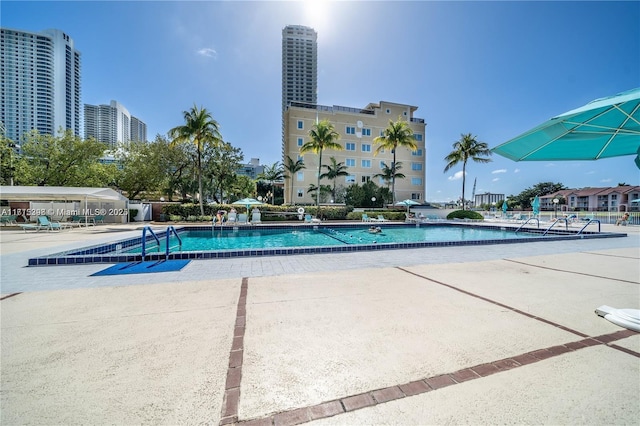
(549, 165)
(592, 172)
(516, 171)
(208, 52)
(495, 179)
(606, 180)
(456, 176)
(499, 171)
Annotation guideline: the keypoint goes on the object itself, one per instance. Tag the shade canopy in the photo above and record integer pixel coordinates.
(53, 193)
(247, 202)
(603, 128)
(536, 206)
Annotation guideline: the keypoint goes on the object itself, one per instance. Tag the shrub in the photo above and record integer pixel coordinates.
(465, 214)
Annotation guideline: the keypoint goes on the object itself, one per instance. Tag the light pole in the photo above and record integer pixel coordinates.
(373, 201)
(555, 207)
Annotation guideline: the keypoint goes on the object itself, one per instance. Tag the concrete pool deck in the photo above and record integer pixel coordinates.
(472, 334)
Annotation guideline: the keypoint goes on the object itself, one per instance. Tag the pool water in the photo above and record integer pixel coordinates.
(240, 239)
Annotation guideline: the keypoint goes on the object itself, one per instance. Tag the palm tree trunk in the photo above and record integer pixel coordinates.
(318, 189)
(464, 178)
(393, 179)
(200, 181)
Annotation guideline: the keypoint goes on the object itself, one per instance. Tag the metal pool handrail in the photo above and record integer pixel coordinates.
(144, 239)
(529, 220)
(171, 229)
(588, 223)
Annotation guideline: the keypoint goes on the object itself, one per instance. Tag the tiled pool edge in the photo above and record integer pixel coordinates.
(98, 253)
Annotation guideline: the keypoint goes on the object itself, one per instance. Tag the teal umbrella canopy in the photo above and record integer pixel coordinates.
(408, 203)
(247, 202)
(535, 204)
(504, 206)
(603, 128)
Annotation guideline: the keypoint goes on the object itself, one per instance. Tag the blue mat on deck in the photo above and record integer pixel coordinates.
(143, 267)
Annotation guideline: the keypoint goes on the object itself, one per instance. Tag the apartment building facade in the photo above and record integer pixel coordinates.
(299, 65)
(112, 123)
(357, 128)
(611, 199)
(41, 82)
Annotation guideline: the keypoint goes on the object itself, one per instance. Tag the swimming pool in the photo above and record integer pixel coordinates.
(200, 242)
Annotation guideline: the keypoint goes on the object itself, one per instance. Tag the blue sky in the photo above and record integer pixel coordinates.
(493, 69)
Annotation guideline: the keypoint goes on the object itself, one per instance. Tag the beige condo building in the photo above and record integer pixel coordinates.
(357, 128)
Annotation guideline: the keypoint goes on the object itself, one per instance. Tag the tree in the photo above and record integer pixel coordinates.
(65, 160)
(397, 134)
(388, 174)
(292, 167)
(334, 171)
(271, 174)
(8, 161)
(221, 168)
(143, 167)
(467, 148)
(363, 196)
(324, 190)
(200, 129)
(323, 136)
(523, 200)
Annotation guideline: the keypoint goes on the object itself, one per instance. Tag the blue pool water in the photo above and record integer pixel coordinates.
(203, 242)
(242, 239)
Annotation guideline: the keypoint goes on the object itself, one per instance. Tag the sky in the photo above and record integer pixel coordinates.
(492, 69)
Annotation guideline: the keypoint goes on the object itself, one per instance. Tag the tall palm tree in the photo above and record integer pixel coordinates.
(323, 136)
(200, 129)
(398, 134)
(334, 171)
(272, 174)
(292, 167)
(467, 148)
(388, 173)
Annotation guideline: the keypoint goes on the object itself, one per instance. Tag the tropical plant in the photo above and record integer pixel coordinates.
(271, 174)
(323, 136)
(334, 171)
(397, 134)
(388, 174)
(220, 169)
(323, 191)
(467, 148)
(200, 129)
(292, 167)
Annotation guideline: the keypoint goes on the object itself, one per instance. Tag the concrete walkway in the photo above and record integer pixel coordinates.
(464, 335)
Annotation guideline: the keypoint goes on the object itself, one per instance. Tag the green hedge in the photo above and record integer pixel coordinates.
(465, 214)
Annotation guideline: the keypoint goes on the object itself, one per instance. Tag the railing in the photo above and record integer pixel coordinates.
(144, 240)
(171, 229)
(560, 219)
(587, 224)
(168, 248)
(527, 221)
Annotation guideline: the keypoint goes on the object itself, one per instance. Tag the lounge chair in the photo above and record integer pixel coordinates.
(381, 218)
(310, 219)
(365, 217)
(255, 217)
(232, 217)
(98, 219)
(242, 218)
(410, 219)
(9, 220)
(35, 227)
(45, 223)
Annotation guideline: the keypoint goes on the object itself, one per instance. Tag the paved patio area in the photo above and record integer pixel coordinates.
(465, 335)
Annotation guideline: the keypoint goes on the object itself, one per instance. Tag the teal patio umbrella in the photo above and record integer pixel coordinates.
(247, 202)
(408, 203)
(535, 204)
(603, 128)
(504, 206)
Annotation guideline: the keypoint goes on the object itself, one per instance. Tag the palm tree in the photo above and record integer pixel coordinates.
(388, 174)
(200, 129)
(272, 174)
(293, 167)
(467, 148)
(334, 171)
(398, 134)
(323, 136)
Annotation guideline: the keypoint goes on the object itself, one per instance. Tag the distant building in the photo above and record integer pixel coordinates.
(487, 198)
(252, 169)
(112, 123)
(299, 65)
(611, 199)
(357, 128)
(40, 82)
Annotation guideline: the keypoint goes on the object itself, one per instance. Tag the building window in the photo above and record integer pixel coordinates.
(417, 153)
(388, 111)
(350, 146)
(300, 176)
(300, 124)
(300, 193)
(416, 166)
(365, 179)
(404, 113)
(382, 164)
(415, 196)
(350, 179)
(366, 132)
(350, 130)
(366, 147)
(418, 137)
(416, 181)
(350, 162)
(300, 141)
(366, 164)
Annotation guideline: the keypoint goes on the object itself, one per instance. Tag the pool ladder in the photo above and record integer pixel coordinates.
(170, 229)
(561, 219)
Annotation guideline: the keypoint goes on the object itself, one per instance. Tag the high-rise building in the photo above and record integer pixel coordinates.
(357, 128)
(112, 123)
(299, 65)
(40, 82)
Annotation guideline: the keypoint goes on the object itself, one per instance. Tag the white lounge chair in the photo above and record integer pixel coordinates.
(255, 217)
(381, 218)
(310, 219)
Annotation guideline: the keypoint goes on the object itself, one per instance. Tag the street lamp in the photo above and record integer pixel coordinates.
(555, 207)
(373, 201)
